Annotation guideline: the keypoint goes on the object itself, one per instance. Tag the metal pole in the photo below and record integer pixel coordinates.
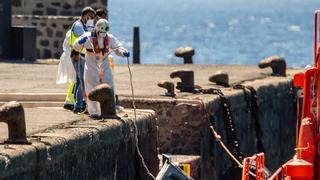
(136, 45)
(5, 21)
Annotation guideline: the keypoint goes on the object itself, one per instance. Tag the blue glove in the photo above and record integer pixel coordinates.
(126, 54)
(83, 40)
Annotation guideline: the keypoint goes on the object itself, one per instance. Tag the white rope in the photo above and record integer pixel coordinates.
(218, 139)
(135, 125)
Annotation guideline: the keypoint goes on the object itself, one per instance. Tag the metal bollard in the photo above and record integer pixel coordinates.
(104, 94)
(220, 78)
(169, 86)
(186, 53)
(187, 80)
(12, 113)
(277, 64)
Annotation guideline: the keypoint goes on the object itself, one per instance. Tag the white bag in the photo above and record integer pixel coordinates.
(66, 72)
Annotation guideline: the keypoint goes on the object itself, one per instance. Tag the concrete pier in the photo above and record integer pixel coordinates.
(85, 149)
(182, 120)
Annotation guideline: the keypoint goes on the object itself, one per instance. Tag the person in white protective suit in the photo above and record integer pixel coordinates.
(66, 72)
(99, 44)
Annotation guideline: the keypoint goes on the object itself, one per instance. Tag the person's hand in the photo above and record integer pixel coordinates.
(75, 55)
(83, 40)
(126, 54)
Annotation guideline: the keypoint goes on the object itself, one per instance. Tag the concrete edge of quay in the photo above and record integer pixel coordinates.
(84, 150)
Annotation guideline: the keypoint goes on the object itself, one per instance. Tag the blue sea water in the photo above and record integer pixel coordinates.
(221, 31)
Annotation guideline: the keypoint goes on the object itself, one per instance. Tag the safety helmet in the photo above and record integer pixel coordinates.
(102, 26)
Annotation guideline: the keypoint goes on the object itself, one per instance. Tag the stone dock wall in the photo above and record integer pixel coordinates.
(54, 7)
(277, 121)
(52, 19)
(179, 122)
(51, 31)
(86, 149)
(183, 127)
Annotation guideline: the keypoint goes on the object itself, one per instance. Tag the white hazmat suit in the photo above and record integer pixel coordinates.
(66, 72)
(97, 62)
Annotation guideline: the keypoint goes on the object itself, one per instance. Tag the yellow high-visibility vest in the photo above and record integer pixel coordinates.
(73, 38)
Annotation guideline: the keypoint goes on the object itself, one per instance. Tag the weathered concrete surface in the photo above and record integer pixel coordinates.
(38, 119)
(86, 149)
(182, 124)
(40, 78)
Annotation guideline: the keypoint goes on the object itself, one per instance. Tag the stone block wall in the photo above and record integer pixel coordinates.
(54, 7)
(179, 123)
(86, 149)
(183, 127)
(51, 32)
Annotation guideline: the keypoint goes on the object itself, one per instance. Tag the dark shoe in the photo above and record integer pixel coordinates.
(68, 107)
(84, 104)
(85, 112)
(95, 117)
(79, 110)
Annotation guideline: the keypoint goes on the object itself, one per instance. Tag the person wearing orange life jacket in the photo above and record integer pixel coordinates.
(98, 43)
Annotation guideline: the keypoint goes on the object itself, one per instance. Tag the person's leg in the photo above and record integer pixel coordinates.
(70, 99)
(81, 72)
(78, 107)
(91, 80)
(107, 74)
(79, 103)
(109, 79)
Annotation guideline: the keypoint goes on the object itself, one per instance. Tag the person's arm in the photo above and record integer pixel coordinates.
(78, 29)
(78, 45)
(116, 45)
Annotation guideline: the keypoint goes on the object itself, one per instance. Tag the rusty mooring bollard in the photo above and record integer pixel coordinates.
(169, 86)
(277, 64)
(187, 80)
(186, 53)
(104, 94)
(12, 113)
(220, 78)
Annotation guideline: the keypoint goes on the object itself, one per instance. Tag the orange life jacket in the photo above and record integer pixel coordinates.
(96, 46)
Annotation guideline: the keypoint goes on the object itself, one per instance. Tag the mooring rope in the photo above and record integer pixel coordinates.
(218, 139)
(135, 125)
(215, 133)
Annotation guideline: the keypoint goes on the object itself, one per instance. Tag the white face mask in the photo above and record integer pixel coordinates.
(102, 34)
(90, 25)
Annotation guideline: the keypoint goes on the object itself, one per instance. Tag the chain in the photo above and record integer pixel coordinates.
(254, 109)
(247, 97)
(233, 141)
